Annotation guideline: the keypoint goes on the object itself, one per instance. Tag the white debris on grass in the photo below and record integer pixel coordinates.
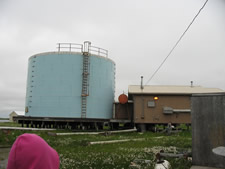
(24, 128)
(164, 165)
(115, 141)
(154, 150)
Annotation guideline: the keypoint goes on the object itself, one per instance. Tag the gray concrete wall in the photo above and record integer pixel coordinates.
(208, 129)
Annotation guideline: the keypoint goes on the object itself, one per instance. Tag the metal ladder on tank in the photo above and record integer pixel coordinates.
(85, 79)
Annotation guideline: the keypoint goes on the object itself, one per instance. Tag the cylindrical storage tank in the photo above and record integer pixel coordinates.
(56, 82)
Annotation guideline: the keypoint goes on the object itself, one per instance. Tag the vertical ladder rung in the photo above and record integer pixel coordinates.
(85, 84)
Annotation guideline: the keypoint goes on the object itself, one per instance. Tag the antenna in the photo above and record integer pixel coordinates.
(192, 84)
(142, 87)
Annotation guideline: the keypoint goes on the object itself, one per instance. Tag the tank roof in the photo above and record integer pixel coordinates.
(66, 52)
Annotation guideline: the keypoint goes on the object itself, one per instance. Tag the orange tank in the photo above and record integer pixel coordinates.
(123, 99)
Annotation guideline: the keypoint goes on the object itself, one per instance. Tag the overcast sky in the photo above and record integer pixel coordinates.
(138, 34)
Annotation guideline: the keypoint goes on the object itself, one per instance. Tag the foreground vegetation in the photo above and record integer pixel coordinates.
(75, 152)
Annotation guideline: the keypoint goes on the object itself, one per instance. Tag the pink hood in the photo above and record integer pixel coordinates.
(30, 151)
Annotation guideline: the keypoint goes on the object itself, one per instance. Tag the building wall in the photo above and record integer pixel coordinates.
(123, 111)
(11, 115)
(145, 114)
(208, 129)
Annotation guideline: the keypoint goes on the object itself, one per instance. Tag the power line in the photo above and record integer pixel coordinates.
(177, 42)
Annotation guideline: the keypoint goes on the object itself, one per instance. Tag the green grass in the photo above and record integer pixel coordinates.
(4, 118)
(10, 124)
(74, 151)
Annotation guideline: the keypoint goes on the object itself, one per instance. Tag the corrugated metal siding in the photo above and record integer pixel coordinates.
(145, 114)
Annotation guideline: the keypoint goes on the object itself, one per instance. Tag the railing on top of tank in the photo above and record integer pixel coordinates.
(70, 47)
(98, 51)
(74, 47)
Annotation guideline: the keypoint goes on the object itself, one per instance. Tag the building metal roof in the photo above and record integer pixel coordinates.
(177, 90)
(18, 112)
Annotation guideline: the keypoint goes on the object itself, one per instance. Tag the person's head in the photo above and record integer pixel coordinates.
(30, 151)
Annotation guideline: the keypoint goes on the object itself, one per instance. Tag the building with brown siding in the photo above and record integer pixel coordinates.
(161, 104)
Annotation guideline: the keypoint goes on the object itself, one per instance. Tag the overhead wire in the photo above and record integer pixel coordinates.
(178, 41)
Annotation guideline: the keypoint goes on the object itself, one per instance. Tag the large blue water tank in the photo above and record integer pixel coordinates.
(56, 79)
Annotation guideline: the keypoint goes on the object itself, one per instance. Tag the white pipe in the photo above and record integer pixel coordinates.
(115, 141)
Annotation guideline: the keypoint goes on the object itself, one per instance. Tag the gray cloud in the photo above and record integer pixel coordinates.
(137, 34)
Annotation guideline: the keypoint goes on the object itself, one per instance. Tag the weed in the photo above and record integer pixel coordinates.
(75, 152)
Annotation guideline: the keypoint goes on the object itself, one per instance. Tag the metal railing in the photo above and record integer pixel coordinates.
(98, 51)
(74, 47)
(70, 47)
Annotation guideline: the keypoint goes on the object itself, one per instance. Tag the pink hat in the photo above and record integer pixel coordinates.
(30, 151)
